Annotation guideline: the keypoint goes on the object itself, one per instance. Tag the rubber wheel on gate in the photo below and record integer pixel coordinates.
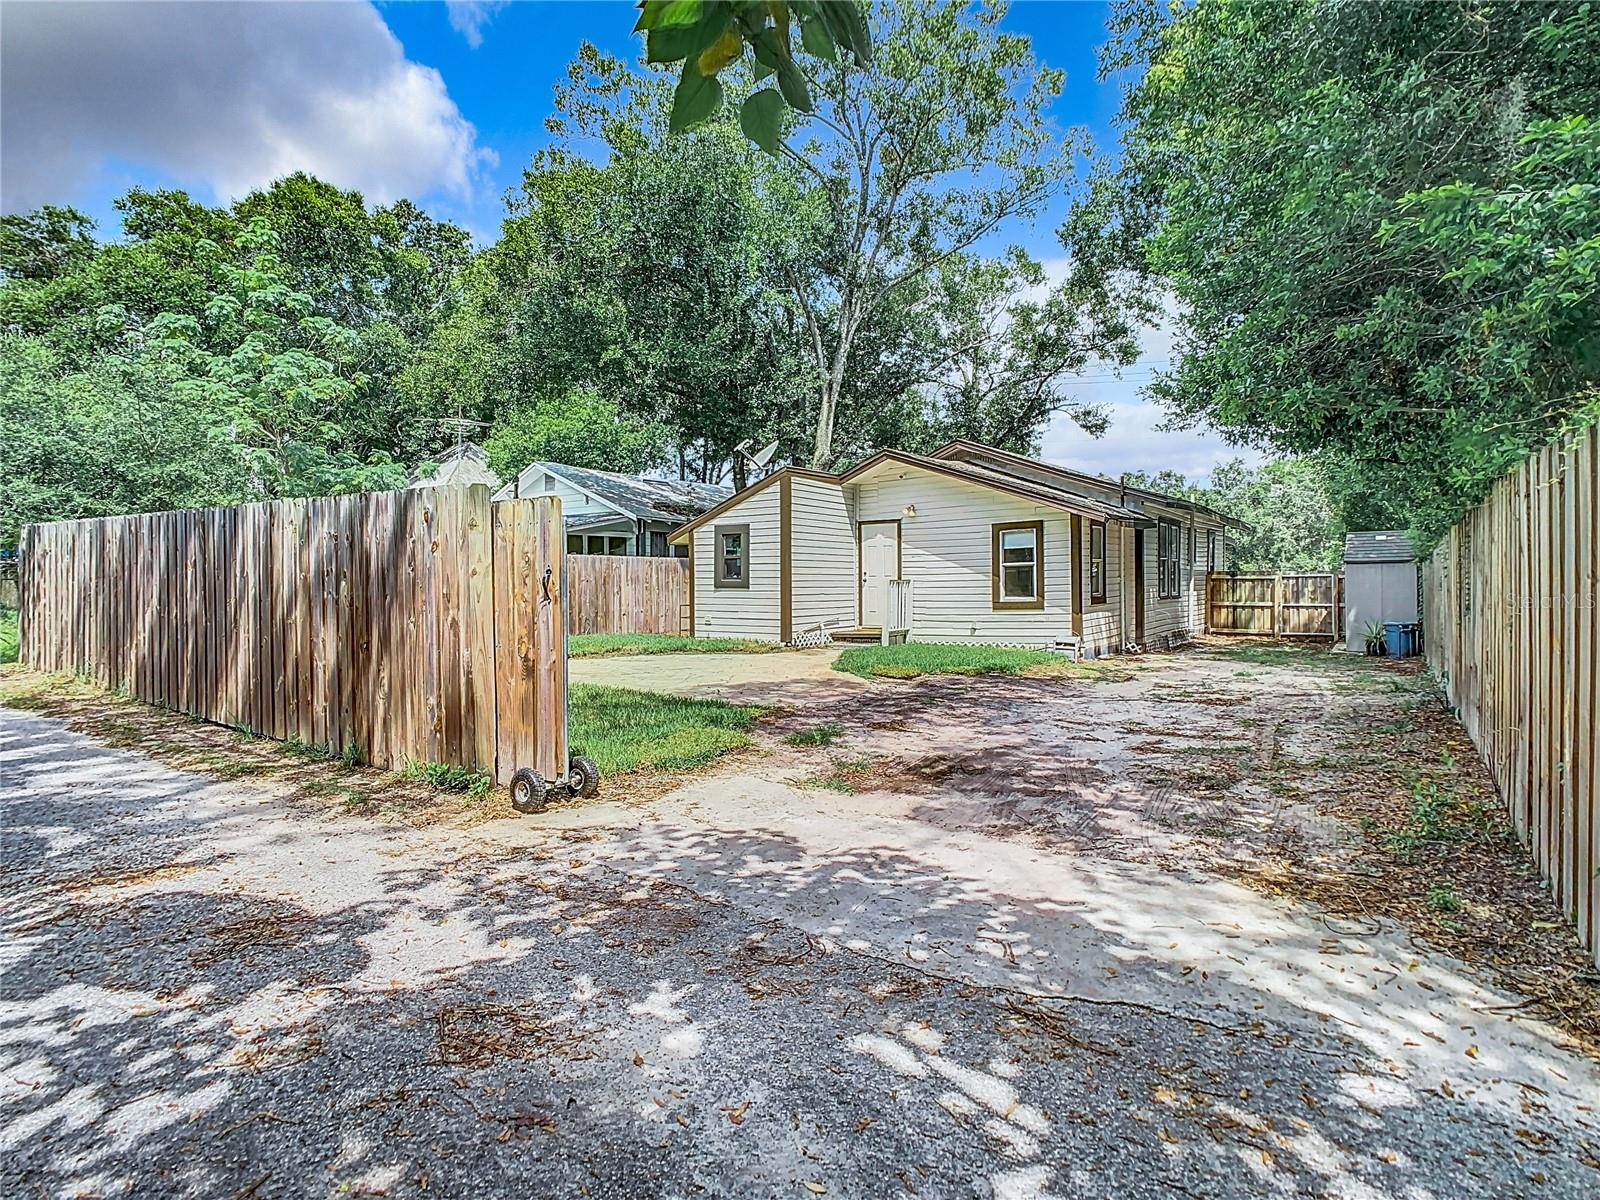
(529, 791)
(585, 776)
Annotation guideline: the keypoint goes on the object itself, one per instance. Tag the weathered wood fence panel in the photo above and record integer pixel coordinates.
(1512, 627)
(402, 626)
(625, 594)
(1309, 605)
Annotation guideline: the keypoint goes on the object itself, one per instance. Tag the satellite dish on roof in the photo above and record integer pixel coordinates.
(761, 457)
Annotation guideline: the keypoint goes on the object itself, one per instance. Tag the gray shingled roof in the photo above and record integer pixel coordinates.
(1379, 546)
(675, 500)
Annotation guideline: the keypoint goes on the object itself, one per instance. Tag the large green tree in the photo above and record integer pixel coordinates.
(216, 354)
(845, 295)
(1379, 222)
(1292, 518)
(907, 171)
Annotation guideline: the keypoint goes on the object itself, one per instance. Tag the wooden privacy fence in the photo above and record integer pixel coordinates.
(618, 594)
(421, 625)
(1309, 605)
(1512, 628)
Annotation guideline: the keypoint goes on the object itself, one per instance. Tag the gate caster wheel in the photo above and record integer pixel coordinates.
(529, 791)
(583, 776)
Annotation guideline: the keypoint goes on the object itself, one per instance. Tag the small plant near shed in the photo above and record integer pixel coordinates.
(817, 735)
(1373, 636)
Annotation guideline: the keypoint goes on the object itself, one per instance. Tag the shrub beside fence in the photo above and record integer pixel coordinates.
(1512, 628)
(419, 625)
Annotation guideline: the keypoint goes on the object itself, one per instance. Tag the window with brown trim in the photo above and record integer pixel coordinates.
(1097, 562)
(1211, 550)
(1169, 561)
(1017, 565)
(731, 545)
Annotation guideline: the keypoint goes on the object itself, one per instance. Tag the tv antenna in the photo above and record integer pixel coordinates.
(460, 426)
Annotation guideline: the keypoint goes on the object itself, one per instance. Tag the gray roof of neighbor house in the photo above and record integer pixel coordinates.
(674, 500)
(1379, 546)
(459, 466)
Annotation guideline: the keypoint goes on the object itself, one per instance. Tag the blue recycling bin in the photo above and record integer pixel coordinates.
(1400, 638)
(1394, 639)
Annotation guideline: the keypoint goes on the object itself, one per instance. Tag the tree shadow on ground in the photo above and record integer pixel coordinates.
(210, 994)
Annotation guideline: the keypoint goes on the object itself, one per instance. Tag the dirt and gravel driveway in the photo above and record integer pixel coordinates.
(1007, 938)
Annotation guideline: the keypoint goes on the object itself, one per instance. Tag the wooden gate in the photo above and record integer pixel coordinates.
(627, 594)
(396, 626)
(1308, 605)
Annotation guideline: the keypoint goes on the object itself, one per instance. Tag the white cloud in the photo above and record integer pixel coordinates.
(468, 17)
(1133, 442)
(222, 96)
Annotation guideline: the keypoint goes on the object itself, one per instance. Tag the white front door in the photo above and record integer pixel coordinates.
(880, 562)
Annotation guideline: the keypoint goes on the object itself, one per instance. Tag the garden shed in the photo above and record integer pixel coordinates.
(1381, 582)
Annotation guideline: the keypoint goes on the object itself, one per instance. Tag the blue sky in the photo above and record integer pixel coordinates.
(441, 103)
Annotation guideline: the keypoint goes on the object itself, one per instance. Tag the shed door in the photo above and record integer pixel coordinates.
(880, 562)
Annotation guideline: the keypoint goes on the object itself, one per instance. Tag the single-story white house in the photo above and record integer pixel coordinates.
(610, 513)
(968, 544)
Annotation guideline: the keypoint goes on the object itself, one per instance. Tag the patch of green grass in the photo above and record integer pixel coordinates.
(225, 766)
(1279, 654)
(1442, 897)
(448, 778)
(817, 735)
(627, 730)
(292, 746)
(607, 645)
(911, 659)
(847, 776)
(8, 635)
(1438, 815)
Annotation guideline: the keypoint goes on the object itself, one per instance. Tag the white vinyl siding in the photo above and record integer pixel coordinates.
(747, 612)
(822, 554)
(947, 551)
(1185, 611)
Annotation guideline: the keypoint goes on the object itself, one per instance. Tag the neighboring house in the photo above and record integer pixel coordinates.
(608, 513)
(459, 466)
(997, 548)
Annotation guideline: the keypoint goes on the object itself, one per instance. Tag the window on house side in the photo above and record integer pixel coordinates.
(574, 543)
(1169, 563)
(732, 547)
(1017, 570)
(1097, 562)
